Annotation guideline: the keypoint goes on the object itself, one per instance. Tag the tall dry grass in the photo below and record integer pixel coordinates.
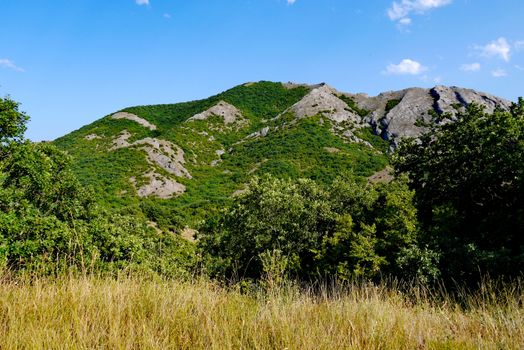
(138, 313)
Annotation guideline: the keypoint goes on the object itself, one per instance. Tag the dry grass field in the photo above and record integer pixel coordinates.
(145, 313)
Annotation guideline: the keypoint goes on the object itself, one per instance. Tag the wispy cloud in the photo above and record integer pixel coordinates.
(497, 48)
(400, 11)
(470, 67)
(519, 67)
(167, 15)
(142, 2)
(291, 2)
(519, 45)
(6, 63)
(406, 67)
(499, 73)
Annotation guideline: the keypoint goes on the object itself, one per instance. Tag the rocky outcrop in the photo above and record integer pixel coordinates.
(159, 186)
(447, 99)
(401, 120)
(230, 113)
(163, 153)
(92, 137)
(323, 100)
(397, 114)
(132, 117)
(159, 153)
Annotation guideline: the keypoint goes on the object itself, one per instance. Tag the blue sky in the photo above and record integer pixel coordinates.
(71, 62)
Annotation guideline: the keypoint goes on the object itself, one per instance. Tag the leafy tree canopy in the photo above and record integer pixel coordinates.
(12, 121)
(468, 177)
(350, 229)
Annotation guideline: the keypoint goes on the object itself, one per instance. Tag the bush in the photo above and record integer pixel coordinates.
(350, 229)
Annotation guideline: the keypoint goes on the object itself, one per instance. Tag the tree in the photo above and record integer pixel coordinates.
(350, 229)
(12, 121)
(468, 177)
(273, 215)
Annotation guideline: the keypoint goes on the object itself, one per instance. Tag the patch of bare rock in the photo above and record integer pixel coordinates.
(383, 176)
(135, 118)
(92, 137)
(415, 105)
(160, 153)
(159, 186)
(323, 99)
(163, 153)
(230, 113)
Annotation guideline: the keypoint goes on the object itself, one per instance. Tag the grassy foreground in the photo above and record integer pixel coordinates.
(133, 313)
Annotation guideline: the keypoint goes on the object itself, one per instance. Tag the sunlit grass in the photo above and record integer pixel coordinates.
(139, 313)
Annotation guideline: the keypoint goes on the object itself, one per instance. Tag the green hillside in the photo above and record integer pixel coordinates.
(219, 157)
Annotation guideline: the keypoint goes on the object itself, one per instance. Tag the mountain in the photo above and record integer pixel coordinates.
(178, 163)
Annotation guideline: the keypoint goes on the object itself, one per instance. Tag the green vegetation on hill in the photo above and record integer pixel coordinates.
(454, 209)
(291, 149)
(51, 224)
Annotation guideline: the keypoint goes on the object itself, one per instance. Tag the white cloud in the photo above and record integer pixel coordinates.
(291, 2)
(142, 2)
(498, 48)
(406, 21)
(406, 66)
(6, 63)
(470, 67)
(400, 11)
(519, 67)
(519, 45)
(499, 73)
(167, 15)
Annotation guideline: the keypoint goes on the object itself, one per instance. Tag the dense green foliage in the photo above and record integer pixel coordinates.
(350, 229)
(469, 182)
(291, 149)
(12, 121)
(50, 223)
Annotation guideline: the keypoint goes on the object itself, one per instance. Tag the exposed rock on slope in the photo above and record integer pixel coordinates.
(445, 97)
(132, 117)
(397, 114)
(163, 154)
(92, 137)
(160, 152)
(159, 186)
(230, 113)
(323, 99)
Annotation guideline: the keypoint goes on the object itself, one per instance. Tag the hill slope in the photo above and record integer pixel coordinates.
(178, 163)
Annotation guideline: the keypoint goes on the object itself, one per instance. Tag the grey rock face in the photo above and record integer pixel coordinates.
(222, 109)
(416, 104)
(323, 99)
(401, 120)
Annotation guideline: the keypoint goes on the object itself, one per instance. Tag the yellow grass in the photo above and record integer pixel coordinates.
(134, 313)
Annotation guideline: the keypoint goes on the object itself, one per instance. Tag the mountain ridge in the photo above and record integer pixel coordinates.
(190, 158)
